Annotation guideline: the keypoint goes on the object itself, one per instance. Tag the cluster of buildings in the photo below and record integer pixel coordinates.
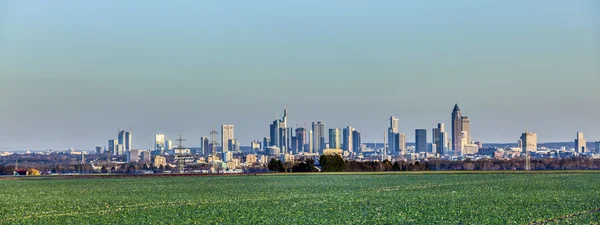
(290, 143)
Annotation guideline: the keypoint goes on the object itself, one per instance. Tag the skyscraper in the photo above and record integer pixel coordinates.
(112, 146)
(159, 143)
(128, 141)
(300, 139)
(335, 138)
(281, 134)
(442, 140)
(310, 142)
(597, 147)
(420, 140)
(456, 129)
(168, 145)
(580, 143)
(466, 126)
(121, 137)
(204, 146)
(402, 143)
(266, 143)
(392, 136)
(435, 139)
(318, 137)
(356, 142)
(226, 136)
(347, 139)
(529, 141)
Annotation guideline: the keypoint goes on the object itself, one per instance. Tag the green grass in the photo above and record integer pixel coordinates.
(395, 198)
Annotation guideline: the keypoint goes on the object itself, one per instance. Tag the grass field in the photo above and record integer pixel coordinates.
(400, 198)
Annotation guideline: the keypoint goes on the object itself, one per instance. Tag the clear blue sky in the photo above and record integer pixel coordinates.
(73, 72)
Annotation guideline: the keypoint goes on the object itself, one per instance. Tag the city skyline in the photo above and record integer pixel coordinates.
(70, 76)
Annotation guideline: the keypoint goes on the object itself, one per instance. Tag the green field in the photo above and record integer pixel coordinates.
(398, 198)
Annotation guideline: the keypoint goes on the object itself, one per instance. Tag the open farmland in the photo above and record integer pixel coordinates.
(398, 198)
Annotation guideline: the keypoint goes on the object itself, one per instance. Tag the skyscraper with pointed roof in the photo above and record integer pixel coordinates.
(456, 129)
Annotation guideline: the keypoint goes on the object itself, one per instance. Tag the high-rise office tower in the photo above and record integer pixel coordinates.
(266, 143)
(392, 140)
(281, 134)
(98, 150)
(529, 141)
(402, 143)
(204, 146)
(597, 147)
(442, 139)
(466, 126)
(356, 142)
(226, 135)
(435, 139)
(456, 129)
(159, 143)
(112, 146)
(128, 141)
(335, 140)
(580, 143)
(121, 137)
(318, 137)
(347, 139)
(300, 139)
(420, 140)
(120, 149)
(294, 146)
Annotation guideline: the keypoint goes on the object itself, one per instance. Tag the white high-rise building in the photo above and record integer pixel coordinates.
(226, 136)
(402, 141)
(580, 143)
(159, 142)
(392, 136)
(311, 148)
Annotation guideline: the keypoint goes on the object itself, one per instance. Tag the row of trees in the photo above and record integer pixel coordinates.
(335, 163)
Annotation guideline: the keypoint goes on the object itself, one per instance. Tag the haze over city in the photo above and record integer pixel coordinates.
(73, 73)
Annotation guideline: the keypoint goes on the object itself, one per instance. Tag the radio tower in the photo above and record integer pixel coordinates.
(179, 156)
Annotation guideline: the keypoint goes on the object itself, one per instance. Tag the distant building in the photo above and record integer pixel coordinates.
(347, 143)
(393, 136)
(145, 156)
(402, 143)
(318, 137)
(255, 145)
(133, 155)
(251, 159)
(580, 143)
(420, 140)
(356, 141)
(529, 142)
(128, 141)
(204, 146)
(266, 143)
(121, 137)
(98, 150)
(335, 138)
(168, 145)
(112, 146)
(456, 128)
(159, 161)
(159, 143)
(300, 140)
(310, 142)
(597, 147)
(330, 151)
(120, 149)
(466, 126)
(226, 135)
